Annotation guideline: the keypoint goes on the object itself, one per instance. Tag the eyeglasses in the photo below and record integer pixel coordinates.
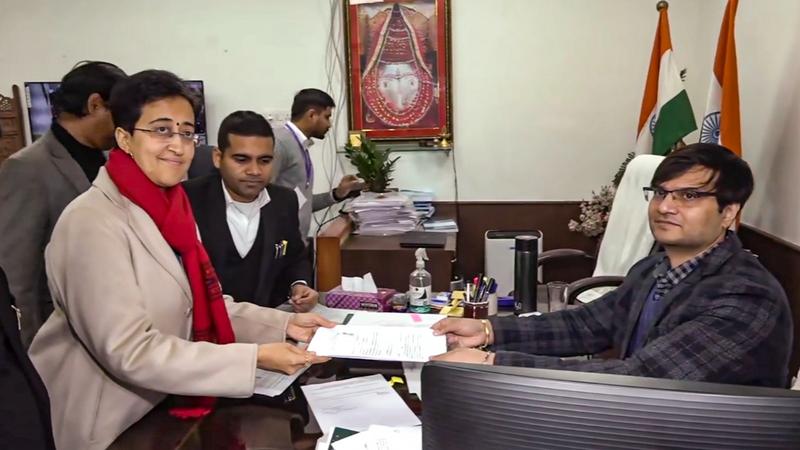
(165, 134)
(685, 196)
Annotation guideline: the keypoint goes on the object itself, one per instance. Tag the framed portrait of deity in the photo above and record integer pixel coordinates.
(399, 68)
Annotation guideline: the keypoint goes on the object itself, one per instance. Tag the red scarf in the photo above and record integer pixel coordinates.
(170, 210)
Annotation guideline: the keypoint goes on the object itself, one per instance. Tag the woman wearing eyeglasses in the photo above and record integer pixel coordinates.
(139, 312)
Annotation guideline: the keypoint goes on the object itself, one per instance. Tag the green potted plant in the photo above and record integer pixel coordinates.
(373, 164)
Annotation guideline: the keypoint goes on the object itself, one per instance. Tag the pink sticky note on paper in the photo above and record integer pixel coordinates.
(416, 318)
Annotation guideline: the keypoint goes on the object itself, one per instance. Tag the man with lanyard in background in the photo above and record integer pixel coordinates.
(293, 168)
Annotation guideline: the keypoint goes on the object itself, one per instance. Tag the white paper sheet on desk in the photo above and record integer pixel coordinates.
(378, 343)
(274, 383)
(413, 373)
(357, 403)
(383, 319)
(333, 314)
(383, 438)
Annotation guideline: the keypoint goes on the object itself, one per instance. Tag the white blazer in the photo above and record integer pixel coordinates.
(119, 339)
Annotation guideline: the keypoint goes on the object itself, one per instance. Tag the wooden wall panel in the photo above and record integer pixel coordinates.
(551, 218)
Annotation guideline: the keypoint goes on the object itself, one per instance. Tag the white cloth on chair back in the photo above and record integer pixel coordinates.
(628, 238)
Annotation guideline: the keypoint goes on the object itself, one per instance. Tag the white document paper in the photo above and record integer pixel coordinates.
(357, 403)
(378, 343)
(368, 318)
(274, 383)
(383, 319)
(333, 314)
(383, 438)
(413, 374)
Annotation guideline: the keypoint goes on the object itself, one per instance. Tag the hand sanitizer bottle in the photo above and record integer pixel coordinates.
(419, 285)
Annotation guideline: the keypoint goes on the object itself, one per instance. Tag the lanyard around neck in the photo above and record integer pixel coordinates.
(306, 157)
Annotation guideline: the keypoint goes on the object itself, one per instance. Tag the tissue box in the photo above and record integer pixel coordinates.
(382, 301)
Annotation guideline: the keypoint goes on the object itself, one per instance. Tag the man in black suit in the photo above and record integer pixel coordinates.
(250, 229)
(24, 405)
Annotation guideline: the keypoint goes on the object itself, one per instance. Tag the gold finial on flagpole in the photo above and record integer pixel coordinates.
(662, 5)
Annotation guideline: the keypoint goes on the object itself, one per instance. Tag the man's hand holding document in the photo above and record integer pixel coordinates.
(382, 343)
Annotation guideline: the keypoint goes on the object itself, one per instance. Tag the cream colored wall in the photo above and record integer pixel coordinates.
(546, 92)
(768, 45)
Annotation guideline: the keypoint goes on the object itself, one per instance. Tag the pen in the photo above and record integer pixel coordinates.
(492, 286)
(487, 289)
(482, 288)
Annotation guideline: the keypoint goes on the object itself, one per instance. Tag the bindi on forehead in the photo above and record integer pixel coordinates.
(169, 120)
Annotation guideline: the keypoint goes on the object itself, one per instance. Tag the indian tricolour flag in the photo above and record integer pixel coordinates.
(666, 114)
(721, 120)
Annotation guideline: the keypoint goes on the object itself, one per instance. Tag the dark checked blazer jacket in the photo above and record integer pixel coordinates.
(727, 322)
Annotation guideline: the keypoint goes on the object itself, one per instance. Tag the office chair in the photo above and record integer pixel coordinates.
(627, 238)
(202, 163)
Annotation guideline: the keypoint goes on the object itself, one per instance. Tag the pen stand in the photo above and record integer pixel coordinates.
(476, 310)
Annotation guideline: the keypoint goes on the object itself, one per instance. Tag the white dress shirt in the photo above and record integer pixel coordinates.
(307, 142)
(243, 219)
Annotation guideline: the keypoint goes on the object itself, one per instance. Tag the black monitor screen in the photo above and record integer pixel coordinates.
(40, 111)
(200, 120)
(507, 408)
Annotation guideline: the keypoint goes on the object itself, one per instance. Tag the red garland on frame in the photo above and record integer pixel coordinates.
(399, 68)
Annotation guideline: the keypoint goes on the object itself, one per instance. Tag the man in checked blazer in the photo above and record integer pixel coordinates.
(703, 309)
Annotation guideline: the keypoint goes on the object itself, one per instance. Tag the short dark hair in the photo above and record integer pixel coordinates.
(85, 78)
(731, 175)
(242, 123)
(130, 95)
(310, 98)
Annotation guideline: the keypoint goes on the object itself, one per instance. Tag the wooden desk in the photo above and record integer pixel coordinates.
(238, 426)
(244, 424)
(341, 253)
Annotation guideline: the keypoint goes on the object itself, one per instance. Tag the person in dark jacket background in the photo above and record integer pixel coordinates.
(24, 405)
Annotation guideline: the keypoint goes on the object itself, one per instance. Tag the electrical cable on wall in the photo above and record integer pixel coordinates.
(458, 207)
(335, 79)
(335, 86)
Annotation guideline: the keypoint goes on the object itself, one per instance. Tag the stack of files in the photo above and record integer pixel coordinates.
(423, 202)
(387, 214)
(441, 226)
(358, 404)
